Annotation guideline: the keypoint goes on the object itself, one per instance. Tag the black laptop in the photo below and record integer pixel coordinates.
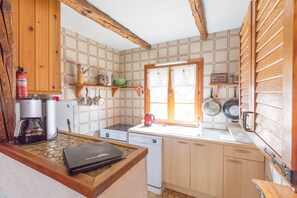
(90, 156)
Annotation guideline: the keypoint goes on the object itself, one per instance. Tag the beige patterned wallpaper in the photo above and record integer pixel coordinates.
(101, 60)
(220, 53)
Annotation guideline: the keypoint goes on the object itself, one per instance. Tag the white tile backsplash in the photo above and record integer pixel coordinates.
(220, 53)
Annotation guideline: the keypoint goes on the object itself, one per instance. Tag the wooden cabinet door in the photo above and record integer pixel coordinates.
(245, 67)
(54, 46)
(177, 162)
(207, 168)
(26, 40)
(38, 44)
(238, 175)
(269, 109)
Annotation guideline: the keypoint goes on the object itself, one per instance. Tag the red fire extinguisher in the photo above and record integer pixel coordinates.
(21, 83)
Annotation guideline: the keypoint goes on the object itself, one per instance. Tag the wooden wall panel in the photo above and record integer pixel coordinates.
(269, 113)
(42, 44)
(7, 72)
(54, 46)
(27, 40)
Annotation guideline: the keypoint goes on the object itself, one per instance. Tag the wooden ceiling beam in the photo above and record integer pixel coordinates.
(86, 9)
(198, 14)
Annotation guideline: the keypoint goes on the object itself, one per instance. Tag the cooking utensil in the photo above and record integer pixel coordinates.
(231, 107)
(211, 107)
(101, 100)
(85, 70)
(69, 126)
(96, 99)
(87, 100)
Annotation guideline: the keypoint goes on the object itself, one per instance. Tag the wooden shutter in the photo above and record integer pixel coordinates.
(245, 65)
(269, 112)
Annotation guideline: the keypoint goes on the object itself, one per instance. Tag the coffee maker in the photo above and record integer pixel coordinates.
(37, 121)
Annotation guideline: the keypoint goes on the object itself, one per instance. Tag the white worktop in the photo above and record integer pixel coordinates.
(235, 134)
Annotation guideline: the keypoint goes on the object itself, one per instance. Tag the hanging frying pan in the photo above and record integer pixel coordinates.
(231, 107)
(210, 106)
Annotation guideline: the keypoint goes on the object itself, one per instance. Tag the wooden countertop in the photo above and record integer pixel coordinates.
(46, 157)
(273, 190)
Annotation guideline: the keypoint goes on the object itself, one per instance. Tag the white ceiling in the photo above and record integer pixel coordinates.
(155, 21)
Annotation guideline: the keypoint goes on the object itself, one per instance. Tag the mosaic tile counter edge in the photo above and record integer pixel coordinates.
(46, 157)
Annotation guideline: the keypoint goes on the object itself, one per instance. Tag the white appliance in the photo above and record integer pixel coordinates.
(154, 159)
(67, 110)
(118, 132)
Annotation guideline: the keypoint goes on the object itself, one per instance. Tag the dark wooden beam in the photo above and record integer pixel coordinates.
(88, 10)
(7, 72)
(197, 12)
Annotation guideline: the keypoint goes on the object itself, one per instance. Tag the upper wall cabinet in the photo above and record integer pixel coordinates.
(37, 33)
(272, 88)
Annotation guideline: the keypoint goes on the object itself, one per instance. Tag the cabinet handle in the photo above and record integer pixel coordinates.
(197, 144)
(234, 161)
(182, 142)
(242, 151)
(53, 87)
(244, 117)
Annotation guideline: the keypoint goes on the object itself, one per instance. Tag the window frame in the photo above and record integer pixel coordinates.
(170, 102)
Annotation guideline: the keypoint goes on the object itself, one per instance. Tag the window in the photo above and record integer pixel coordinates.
(173, 92)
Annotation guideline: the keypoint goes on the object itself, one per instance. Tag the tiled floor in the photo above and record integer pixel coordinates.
(168, 194)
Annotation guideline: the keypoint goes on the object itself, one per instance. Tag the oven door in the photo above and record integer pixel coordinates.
(114, 135)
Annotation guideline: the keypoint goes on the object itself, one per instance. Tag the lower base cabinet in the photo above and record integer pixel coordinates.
(238, 175)
(177, 162)
(207, 168)
(212, 170)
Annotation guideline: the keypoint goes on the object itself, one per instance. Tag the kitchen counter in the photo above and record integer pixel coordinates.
(235, 134)
(46, 157)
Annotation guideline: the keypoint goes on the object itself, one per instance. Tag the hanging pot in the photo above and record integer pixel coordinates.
(211, 107)
(231, 107)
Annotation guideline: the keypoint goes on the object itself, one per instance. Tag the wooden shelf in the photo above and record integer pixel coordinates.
(79, 88)
(217, 85)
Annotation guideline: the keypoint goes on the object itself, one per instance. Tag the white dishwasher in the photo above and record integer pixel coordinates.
(154, 159)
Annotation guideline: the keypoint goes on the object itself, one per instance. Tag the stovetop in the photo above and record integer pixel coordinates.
(120, 127)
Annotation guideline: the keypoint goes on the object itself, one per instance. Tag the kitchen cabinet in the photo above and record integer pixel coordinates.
(272, 87)
(241, 165)
(177, 154)
(207, 168)
(238, 175)
(245, 67)
(37, 25)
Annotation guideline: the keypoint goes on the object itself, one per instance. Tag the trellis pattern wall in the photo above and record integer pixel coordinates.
(220, 53)
(101, 60)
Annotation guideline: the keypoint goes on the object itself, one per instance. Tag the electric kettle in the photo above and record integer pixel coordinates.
(149, 119)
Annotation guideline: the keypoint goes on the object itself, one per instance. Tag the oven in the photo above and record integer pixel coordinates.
(118, 132)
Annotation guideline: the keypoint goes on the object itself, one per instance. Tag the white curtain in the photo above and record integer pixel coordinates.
(158, 86)
(183, 85)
